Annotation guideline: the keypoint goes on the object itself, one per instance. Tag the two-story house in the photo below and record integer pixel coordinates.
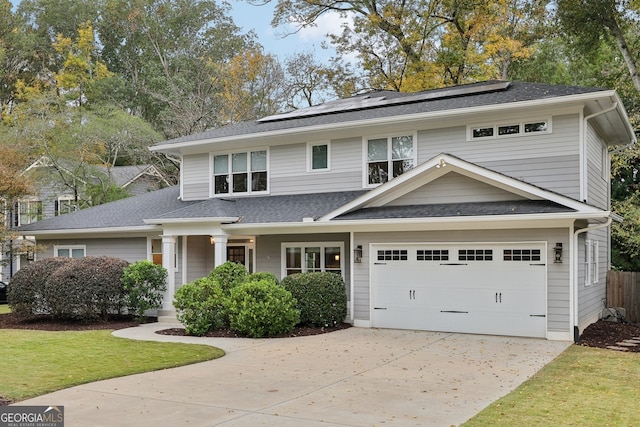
(481, 208)
(61, 190)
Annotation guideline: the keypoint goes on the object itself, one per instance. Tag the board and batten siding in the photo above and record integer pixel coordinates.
(597, 170)
(289, 175)
(452, 188)
(195, 177)
(558, 317)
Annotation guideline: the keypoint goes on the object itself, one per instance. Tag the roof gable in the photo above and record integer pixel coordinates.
(408, 188)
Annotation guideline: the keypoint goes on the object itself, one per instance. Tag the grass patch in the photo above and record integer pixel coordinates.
(4, 309)
(33, 363)
(583, 387)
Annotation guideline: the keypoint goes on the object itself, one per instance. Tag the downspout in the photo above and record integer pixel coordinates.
(574, 285)
(352, 270)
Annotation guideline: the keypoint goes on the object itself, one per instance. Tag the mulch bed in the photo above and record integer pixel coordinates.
(298, 331)
(603, 334)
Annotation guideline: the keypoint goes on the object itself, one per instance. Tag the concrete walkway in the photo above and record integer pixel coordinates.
(354, 377)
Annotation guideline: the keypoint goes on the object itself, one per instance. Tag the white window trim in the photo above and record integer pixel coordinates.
(56, 249)
(365, 153)
(28, 200)
(176, 264)
(495, 127)
(64, 198)
(212, 183)
(302, 245)
(592, 262)
(310, 146)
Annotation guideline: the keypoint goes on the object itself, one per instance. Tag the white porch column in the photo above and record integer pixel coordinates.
(169, 263)
(220, 250)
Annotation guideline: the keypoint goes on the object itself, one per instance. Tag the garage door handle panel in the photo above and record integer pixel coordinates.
(379, 308)
(379, 263)
(537, 315)
(453, 263)
(541, 265)
(454, 311)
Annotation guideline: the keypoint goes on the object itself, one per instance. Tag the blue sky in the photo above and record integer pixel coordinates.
(258, 18)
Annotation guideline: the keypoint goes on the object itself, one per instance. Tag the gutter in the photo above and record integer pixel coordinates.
(574, 275)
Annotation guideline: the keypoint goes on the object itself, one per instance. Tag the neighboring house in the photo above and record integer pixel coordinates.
(53, 198)
(482, 208)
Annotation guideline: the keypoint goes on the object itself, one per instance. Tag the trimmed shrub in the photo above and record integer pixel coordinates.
(144, 284)
(261, 309)
(262, 275)
(26, 293)
(228, 275)
(322, 298)
(86, 289)
(201, 306)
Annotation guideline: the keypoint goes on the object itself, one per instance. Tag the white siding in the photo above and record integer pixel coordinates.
(557, 274)
(195, 175)
(454, 188)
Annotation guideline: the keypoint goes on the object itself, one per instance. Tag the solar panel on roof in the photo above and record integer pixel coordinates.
(364, 102)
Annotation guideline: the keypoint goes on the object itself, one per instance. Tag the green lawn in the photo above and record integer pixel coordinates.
(582, 387)
(38, 362)
(4, 309)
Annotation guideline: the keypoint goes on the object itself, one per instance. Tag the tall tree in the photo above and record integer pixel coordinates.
(162, 50)
(418, 44)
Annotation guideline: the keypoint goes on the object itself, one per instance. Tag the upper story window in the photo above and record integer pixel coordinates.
(244, 172)
(28, 211)
(318, 156)
(64, 204)
(509, 129)
(389, 157)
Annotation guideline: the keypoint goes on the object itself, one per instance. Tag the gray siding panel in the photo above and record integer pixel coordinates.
(269, 249)
(597, 170)
(195, 176)
(288, 169)
(199, 257)
(557, 274)
(591, 297)
(454, 188)
(129, 249)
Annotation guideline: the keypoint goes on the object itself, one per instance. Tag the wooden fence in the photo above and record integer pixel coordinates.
(623, 290)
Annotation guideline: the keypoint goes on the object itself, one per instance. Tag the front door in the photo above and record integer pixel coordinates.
(240, 255)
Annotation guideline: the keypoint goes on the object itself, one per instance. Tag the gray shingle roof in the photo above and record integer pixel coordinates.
(456, 209)
(516, 92)
(129, 212)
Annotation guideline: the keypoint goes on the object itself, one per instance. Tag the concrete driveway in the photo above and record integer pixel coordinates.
(354, 377)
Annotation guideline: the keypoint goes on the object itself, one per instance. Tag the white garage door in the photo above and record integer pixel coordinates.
(497, 289)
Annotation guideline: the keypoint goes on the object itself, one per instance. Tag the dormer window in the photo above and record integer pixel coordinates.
(244, 172)
(389, 157)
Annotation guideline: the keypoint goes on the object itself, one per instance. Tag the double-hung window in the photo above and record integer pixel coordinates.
(389, 157)
(244, 172)
(64, 204)
(29, 211)
(312, 257)
(592, 266)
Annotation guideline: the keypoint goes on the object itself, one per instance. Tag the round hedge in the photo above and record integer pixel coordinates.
(27, 291)
(262, 309)
(322, 297)
(87, 289)
(201, 306)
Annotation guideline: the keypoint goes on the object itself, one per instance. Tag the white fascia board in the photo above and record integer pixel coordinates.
(376, 197)
(491, 222)
(204, 220)
(94, 232)
(365, 123)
